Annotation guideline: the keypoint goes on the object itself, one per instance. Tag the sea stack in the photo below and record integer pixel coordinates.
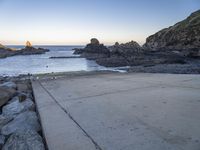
(28, 44)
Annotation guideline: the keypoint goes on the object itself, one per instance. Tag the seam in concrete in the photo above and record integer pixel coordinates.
(70, 116)
(108, 93)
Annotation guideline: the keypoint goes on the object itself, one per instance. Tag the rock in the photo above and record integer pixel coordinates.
(23, 87)
(28, 50)
(25, 121)
(78, 51)
(93, 48)
(2, 140)
(22, 96)
(127, 49)
(183, 37)
(14, 99)
(16, 107)
(32, 51)
(5, 52)
(4, 120)
(28, 104)
(5, 95)
(9, 85)
(27, 140)
(28, 44)
(94, 41)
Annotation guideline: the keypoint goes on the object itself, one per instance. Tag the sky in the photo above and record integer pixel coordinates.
(75, 22)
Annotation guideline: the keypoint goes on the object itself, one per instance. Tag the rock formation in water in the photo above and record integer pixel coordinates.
(93, 50)
(183, 37)
(28, 44)
(28, 50)
(4, 51)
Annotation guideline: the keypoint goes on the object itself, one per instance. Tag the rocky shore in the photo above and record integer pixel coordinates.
(28, 50)
(19, 123)
(175, 48)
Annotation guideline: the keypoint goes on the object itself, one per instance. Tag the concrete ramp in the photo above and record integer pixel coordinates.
(115, 111)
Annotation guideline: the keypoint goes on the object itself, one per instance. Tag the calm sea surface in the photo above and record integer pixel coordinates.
(35, 64)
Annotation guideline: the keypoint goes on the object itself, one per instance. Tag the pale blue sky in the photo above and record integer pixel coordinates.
(71, 22)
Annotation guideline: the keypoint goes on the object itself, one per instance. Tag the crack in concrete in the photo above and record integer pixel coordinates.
(108, 93)
(70, 116)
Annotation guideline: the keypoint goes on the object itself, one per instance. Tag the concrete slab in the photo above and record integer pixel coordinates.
(126, 111)
(60, 131)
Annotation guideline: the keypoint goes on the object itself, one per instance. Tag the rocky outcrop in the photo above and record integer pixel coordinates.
(182, 38)
(93, 50)
(28, 50)
(128, 54)
(126, 49)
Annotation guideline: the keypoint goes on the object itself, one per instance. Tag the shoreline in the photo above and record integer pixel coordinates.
(160, 68)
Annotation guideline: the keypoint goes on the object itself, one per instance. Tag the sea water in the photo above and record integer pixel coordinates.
(36, 64)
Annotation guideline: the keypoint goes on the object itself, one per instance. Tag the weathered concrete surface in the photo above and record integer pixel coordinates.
(120, 111)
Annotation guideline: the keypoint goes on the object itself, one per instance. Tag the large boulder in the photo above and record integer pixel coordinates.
(5, 95)
(93, 49)
(16, 107)
(9, 85)
(96, 47)
(27, 140)
(4, 120)
(25, 121)
(94, 41)
(183, 37)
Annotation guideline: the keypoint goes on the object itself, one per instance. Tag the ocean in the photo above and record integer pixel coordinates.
(36, 64)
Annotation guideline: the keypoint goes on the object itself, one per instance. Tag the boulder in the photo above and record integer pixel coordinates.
(23, 87)
(25, 121)
(17, 107)
(5, 95)
(4, 120)
(184, 37)
(94, 47)
(2, 140)
(94, 41)
(27, 140)
(9, 85)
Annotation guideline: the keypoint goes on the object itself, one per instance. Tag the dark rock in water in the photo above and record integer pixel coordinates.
(31, 51)
(183, 37)
(5, 52)
(28, 50)
(94, 41)
(27, 140)
(94, 51)
(95, 47)
(78, 51)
